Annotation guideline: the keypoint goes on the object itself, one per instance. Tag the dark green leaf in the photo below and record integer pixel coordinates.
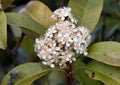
(87, 12)
(110, 75)
(26, 22)
(27, 73)
(81, 76)
(28, 45)
(3, 31)
(107, 52)
(112, 7)
(112, 25)
(56, 78)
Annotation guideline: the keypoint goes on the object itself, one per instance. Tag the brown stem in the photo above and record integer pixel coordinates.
(69, 76)
(18, 43)
(103, 27)
(14, 51)
(62, 3)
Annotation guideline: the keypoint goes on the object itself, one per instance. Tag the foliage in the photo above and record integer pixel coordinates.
(88, 14)
(109, 75)
(3, 30)
(106, 52)
(99, 67)
(27, 76)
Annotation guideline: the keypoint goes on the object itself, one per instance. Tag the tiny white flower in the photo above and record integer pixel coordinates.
(74, 59)
(44, 56)
(57, 48)
(49, 57)
(44, 62)
(52, 60)
(67, 59)
(37, 40)
(62, 18)
(52, 65)
(59, 34)
(62, 13)
(85, 53)
(68, 44)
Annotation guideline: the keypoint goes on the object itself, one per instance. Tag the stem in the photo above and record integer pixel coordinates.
(18, 43)
(14, 51)
(69, 76)
(2, 67)
(103, 27)
(62, 3)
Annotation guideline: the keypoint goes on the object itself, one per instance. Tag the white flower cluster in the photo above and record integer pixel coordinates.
(62, 40)
(63, 13)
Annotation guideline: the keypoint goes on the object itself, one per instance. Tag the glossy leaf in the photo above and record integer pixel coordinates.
(3, 31)
(87, 12)
(81, 76)
(39, 12)
(110, 75)
(26, 22)
(106, 52)
(6, 3)
(27, 73)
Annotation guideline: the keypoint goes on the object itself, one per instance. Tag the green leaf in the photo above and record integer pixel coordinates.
(87, 12)
(1, 45)
(106, 52)
(39, 12)
(16, 31)
(81, 75)
(56, 78)
(6, 3)
(110, 75)
(27, 73)
(112, 7)
(26, 22)
(3, 31)
(112, 25)
(28, 45)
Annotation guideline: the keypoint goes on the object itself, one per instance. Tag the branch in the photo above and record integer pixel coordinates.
(69, 77)
(18, 43)
(103, 38)
(14, 51)
(62, 3)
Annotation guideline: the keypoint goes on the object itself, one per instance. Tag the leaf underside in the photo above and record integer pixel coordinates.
(110, 75)
(107, 52)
